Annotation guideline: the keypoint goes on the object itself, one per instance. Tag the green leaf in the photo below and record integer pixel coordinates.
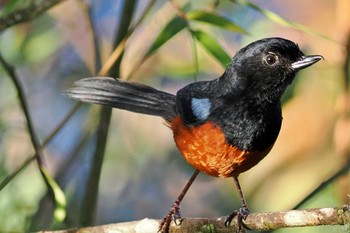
(215, 20)
(12, 5)
(60, 198)
(212, 47)
(170, 30)
(280, 20)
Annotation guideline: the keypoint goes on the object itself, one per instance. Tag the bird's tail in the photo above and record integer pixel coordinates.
(125, 95)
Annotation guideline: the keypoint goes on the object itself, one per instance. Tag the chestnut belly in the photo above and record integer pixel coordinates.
(206, 148)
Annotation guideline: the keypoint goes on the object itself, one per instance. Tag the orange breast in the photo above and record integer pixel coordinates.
(205, 148)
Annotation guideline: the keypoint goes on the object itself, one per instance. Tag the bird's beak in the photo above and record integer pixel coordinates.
(306, 61)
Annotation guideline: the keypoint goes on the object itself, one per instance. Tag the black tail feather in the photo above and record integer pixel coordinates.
(125, 95)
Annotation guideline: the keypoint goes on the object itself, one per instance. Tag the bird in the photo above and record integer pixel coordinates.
(222, 127)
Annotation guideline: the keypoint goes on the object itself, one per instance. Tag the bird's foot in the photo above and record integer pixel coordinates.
(172, 215)
(241, 214)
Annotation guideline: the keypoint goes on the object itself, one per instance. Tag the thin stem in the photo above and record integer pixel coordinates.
(10, 177)
(91, 191)
(34, 139)
(117, 52)
(95, 40)
(46, 141)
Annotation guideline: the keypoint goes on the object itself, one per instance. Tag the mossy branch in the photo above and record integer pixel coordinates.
(255, 221)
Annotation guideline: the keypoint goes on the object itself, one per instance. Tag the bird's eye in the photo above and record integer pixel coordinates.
(270, 59)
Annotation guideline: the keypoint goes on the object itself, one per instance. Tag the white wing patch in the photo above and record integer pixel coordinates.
(201, 108)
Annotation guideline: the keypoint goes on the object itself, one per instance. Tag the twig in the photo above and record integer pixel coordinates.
(31, 158)
(55, 193)
(10, 177)
(255, 221)
(182, 15)
(91, 190)
(118, 51)
(24, 105)
(88, 11)
(23, 15)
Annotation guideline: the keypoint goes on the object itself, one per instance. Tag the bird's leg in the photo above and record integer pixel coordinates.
(242, 213)
(174, 212)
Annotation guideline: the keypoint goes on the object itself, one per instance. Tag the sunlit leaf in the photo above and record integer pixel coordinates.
(280, 20)
(212, 47)
(60, 198)
(170, 30)
(215, 20)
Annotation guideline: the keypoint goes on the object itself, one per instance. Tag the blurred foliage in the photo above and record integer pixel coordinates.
(142, 172)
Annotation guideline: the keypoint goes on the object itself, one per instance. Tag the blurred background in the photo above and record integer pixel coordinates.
(88, 175)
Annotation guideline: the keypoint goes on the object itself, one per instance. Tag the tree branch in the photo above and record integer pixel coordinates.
(255, 221)
(30, 12)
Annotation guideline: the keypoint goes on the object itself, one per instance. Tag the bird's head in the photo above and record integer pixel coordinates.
(266, 67)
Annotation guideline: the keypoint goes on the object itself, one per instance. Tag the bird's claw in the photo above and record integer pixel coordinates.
(241, 214)
(173, 214)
